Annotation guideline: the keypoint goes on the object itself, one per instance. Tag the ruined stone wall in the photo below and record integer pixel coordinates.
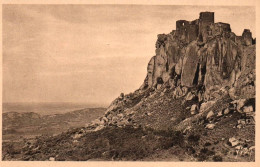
(187, 31)
(247, 36)
(192, 32)
(181, 24)
(239, 40)
(219, 28)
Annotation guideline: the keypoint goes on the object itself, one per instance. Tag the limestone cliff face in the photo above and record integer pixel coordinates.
(199, 53)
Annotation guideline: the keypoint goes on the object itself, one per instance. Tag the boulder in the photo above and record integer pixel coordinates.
(193, 112)
(120, 115)
(162, 94)
(102, 122)
(226, 111)
(96, 122)
(252, 148)
(239, 126)
(210, 114)
(76, 136)
(232, 93)
(239, 147)
(233, 141)
(158, 86)
(178, 92)
(206, 105)
(75, 141)
(194, 109)
(129, 112)
(184, 90)
(122, 123)
(115, 119)
(238, 104)
(241, 121)
(248, 109)
(105, 119)
(210, 126)
(109, 116)
(189, 96)
(51, 159)
(99, 128)
(219, 114)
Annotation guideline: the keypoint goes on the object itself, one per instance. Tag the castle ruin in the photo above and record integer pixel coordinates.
(205, 28)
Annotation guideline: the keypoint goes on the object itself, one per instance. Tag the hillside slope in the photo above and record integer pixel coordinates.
(197, 103)
(17, 126)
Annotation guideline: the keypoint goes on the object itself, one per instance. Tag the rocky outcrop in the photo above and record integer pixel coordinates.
(196, 65)
(202, 53)
(199, 63)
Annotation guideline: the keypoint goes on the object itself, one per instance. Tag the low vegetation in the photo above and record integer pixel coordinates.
(111, 143)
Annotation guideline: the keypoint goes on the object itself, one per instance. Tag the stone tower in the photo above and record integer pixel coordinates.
(205, 20)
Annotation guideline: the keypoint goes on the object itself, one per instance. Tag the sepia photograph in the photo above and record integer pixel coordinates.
(128, 82)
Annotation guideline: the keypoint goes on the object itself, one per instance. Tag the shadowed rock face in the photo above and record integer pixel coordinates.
(199, 52)
(190, 62)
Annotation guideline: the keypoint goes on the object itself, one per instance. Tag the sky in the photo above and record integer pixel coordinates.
(90, 53)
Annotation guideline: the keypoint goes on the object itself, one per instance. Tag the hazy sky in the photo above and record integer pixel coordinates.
(89, 53)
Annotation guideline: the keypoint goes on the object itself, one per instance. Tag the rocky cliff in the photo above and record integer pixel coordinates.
(201, 80)
(200, 53)
(200, 60)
